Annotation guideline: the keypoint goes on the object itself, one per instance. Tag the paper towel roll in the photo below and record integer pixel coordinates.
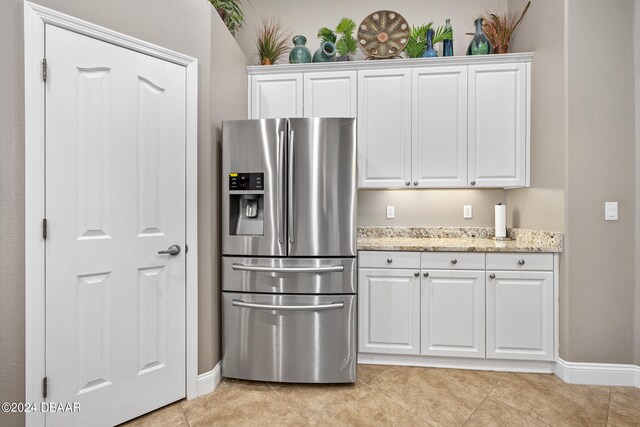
(501, 221)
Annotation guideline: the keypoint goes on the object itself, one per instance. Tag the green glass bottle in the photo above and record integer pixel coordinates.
(480, 44)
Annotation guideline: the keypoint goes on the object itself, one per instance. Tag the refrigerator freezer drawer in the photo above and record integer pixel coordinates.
(289, 338)
(290, 275)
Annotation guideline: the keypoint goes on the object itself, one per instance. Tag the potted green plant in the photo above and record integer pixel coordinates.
(271, 42)
(231, 13)
(346, 45)
(417, 42)
(500, 26)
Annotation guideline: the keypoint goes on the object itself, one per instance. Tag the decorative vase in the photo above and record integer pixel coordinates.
(501, 49)
(447, 45)
(300, 54)
(343, 58)
(326, 53)
(266, 61)
(480, 44)
(430, 52)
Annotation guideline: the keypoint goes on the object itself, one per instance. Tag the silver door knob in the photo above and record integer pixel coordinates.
(454, 261)
(493, 276)
(173, 250)
(389, 260)
(521, 262)
(473, 183)
(417, 274)
(407, 183)
(425, 274)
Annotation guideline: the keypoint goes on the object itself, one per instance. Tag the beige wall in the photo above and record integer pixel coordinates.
(306, 17)
(187, 26)
(636, 48)
(600, 167)
(428, 207)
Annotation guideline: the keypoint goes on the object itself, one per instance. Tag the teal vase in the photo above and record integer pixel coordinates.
(326, 53)
(300, 54)
(480, 44)
(430, 52)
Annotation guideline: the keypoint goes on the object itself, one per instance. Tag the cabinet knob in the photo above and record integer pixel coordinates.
(492, 275)
(473, 183)
(454, 261)
(407, 183)
(425, 274)
(417, 274)
(389, 260)
(521, 262)
(415, 183)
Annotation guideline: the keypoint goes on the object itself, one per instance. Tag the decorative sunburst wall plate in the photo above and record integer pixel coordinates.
(383, 34)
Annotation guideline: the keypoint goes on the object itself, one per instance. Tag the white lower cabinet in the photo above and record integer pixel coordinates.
(389, 311)
(452, 321)
(520, 315)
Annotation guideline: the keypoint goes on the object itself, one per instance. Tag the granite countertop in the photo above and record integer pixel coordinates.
(455, 239)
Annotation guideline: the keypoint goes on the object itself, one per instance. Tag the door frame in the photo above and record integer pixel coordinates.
(35, 19)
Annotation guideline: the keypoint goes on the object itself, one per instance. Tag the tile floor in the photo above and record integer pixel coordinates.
(404, 396)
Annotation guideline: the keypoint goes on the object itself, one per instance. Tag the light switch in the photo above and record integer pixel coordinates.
(391, 212)
(611, 211)
(468, 211)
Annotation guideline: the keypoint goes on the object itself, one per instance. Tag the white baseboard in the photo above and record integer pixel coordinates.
(598, 373)
(457, 363)
(209, 381)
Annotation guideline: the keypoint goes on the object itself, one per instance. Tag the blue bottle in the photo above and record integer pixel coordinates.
(430, 52)
(447, 45)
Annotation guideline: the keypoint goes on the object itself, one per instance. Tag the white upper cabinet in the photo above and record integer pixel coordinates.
(439, 126)
(275, 96)
(498, 111)
(384, 128)
(331, 94)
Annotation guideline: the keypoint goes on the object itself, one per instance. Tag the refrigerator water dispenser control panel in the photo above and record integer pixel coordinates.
(246, 181)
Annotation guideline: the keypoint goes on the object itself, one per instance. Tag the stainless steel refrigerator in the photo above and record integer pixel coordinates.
(289, 273)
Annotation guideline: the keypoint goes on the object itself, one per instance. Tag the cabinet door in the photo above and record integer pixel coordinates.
(384, 128)
(276, 96)
(520, 315)
(331, 94)
(498, 110)
(389, 311)
(452, 313)
(439, 128)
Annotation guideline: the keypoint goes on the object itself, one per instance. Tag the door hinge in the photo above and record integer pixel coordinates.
(44, 387)
(45, 227)
(44, 69)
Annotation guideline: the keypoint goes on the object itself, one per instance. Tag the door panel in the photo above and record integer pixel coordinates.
(331, 94)
(115, 196)
(255, 146)
(322, 187)
(276, 96)
(307, 344)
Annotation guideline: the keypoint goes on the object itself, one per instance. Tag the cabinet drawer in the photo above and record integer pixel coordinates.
(521, 261)
(375, 259)
(452, 260)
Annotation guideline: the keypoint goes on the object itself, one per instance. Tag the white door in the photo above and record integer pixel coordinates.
(452, 313)
(498, 125)
(115, 196)
(384, 128)
(520, 315)
(389, 311)
(276, 96)
(439, 111)
(330, 94)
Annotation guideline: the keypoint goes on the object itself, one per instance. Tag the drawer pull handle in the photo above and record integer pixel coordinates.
(425, 274)
(389, 260)
(332, 306)
(492, 275)
(260, 269)
(417, 274)
(454, 261)
(521, 262)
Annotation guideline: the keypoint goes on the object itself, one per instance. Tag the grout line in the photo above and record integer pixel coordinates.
(608, 408)
(474, 411)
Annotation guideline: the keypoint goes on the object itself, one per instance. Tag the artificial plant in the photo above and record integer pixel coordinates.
(271, 42)
(346, 44)
(231, 13)
(418, 38)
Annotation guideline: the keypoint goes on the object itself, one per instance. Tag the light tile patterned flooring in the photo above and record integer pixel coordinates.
(404, 396)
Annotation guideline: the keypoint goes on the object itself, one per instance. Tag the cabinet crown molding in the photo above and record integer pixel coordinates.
(389, 63)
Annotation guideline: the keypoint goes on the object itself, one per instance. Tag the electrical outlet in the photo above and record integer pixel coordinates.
(468, 211)
(611, 211)
(391, 212)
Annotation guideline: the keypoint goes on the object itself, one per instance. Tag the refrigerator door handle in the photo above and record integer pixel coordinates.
(292, 214)
(332, 306)
(280, 188)
(261, 269)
